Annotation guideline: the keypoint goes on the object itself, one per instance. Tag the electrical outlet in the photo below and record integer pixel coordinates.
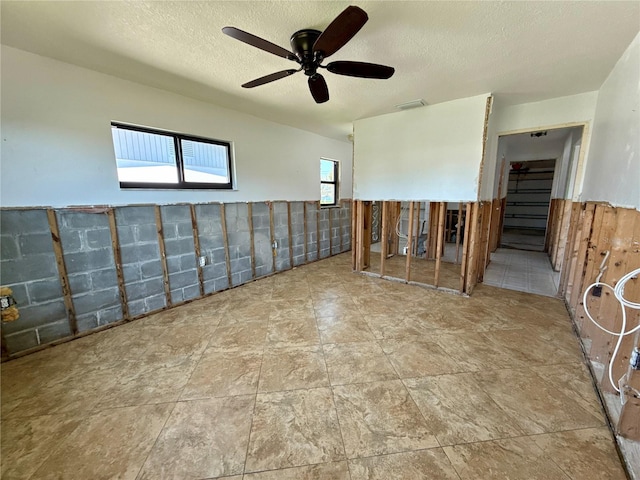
(202, 261)
(275, 244)
(597, 291)
(404, 250)
(634, 361)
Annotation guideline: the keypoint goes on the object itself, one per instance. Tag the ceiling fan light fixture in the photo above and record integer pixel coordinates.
(412, 104)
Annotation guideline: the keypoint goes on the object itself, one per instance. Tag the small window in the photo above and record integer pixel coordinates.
(328, 182)
(154, 159)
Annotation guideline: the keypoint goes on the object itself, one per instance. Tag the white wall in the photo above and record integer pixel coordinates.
(430, 153)
(57, 148)
(613, 167)
(532, 116)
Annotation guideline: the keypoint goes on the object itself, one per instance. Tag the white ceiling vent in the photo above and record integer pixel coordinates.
(412, 104)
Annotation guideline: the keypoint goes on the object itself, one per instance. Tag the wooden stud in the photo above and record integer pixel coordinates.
(366, 234)
(62, 271)
(163, 256)
(117, 258)
(472, 255)
(485, 132)
(629, 422)
(330, 211)
(458, 228)
(252, 247)
(416, 245)
(359, 236)
(433, 228)
(227, 256)
(353, 234)
(464, 265)
(441, 233)
(196, 247)
(318, 210)
(385, 237)
(306, 233)
(340, 225)
(570, 251)
(449, 224)
(290, 235)
(272, 236)
(581, 260)
(407, 274)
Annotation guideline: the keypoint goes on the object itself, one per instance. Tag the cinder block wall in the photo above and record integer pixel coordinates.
(100, 290)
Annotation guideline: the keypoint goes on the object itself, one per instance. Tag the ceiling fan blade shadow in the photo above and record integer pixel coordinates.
(319, 89)
(340, 31)
(269, 78)
(361, 69)
(258, 42)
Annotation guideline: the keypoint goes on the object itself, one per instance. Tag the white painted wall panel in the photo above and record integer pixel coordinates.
(431, 152)
(613, 167)
(57, 148)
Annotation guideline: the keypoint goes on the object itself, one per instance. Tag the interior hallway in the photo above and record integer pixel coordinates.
(524, 271)
(315, 373)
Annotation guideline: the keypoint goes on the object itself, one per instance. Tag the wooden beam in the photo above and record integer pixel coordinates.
(464, 265)
(306, 233)
(458, 228)
(272, 237)
(163, 256)
(433, 229)
(441, 224)
(227, 256)
(340, 233)
(318, 210)
(407, 274)
(570, 250)
(385, 237)
(117, 258)
(252, 247)
(330, 211)
(472, 256)
(581, 260)
(366, 234)
(290, 235)
(359, 220)
(416, 245)
(62, 271)
(196, 247)
(353, 234)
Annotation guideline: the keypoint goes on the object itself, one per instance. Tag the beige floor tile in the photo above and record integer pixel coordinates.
(202, 439)
(399, 326)
(476, 353)
(110, 444)
(537, 406)
(420, 465)
(357, 362)
(512, 459)
(535, 350)
(412, 357)
(293, 368)
(583, 454)
(292, 429)
(295, 330)
(344, 328)
(240, 334)
(222, 373)
(27, 442)
(334, 307)
(322, 471)
(458, 411)
(379, 418)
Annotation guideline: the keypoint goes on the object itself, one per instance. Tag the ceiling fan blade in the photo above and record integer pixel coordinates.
(340, 31)
(361, 69)
(258, 42)
(269, 78)
(319, 89)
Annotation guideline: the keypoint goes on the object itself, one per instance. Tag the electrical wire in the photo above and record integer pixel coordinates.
(618, 292)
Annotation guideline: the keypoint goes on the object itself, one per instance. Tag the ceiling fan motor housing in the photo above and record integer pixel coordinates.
(302, 45)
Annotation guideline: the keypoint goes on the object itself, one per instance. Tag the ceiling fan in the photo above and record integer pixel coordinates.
(311, 47)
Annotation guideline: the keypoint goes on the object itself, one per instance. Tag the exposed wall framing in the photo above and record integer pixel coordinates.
(75, 271)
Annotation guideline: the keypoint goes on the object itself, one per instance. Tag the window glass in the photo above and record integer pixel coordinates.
(328, 182)
(144, 157)
(205, 162)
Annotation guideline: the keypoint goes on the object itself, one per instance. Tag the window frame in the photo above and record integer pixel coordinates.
(177, 145)
(335, 183)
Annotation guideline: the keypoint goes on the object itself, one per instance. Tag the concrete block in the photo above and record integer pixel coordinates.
(35, 243)
(282, 263)
(137, 307)
(23, 222)
(151, 269)
(188, 262)
(153, 286)
(177, 296)
(79, 283)
(221, 284)
(240, 264)
(101, 279)
(238, 238)
(19, 294)
(262, 270)
(179, 246)
(83, 221)
(71, 240)
(169, 231)
(135, 215)
(146, 233)
(189, 293)
(21, 341)
(298, 251)
(183, 279)
(211, 242)
(185, 230)
(28, 268)
(155, 302)
(175, 213)
(44, 290)
(8, 247)
(131, 272)
(95, 301)
(91, 260)
(32, 316)
(87, 322)
(126, 234)
(173, 264)
(54, 331)
(143, 252)
(109, 315)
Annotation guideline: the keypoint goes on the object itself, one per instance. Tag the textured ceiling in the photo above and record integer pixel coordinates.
(520, 51)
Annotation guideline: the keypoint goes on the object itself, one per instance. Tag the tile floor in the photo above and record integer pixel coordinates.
(524, 271)
(316, 373)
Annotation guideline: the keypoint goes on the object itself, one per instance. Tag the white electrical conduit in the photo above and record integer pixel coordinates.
(618, 292)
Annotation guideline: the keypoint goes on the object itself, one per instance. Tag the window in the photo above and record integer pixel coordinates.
(328, 182)
(154, 159)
